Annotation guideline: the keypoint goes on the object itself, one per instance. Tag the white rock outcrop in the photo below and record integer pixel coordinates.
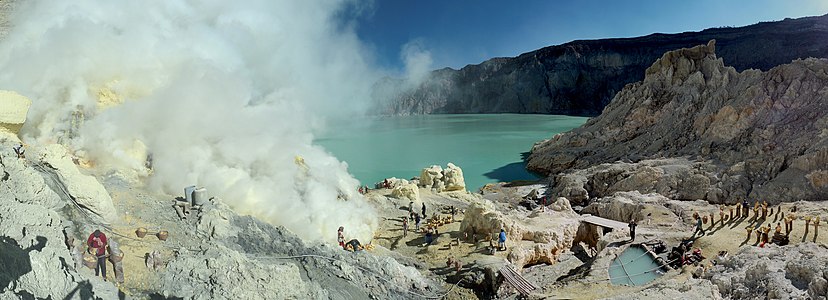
(406, 191)
(85, 189)
(431, 175)
(561, 204)
(448, 179)
(532, 237)
(13, 111)
(453, 178)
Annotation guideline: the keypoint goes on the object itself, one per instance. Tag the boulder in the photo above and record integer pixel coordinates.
(430, 176)
(89, 194)
(406, 191)
(13, 112)
(453, 178)
(448, 179)
(561, 204)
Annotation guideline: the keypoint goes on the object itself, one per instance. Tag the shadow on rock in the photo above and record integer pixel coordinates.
(15, 261)
(161, 297)
(83, 290)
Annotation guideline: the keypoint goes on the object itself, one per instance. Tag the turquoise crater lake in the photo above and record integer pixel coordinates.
(488, 147)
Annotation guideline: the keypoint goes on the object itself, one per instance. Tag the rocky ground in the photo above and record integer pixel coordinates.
(576, 272)
(214, 254)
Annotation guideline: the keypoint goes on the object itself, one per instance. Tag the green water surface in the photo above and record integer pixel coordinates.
(633, 267)
(488, 147)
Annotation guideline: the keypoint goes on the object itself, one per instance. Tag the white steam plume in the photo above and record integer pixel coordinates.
(418, 62)
(224, 94)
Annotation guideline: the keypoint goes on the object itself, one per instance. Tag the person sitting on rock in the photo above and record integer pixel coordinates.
(501, 241)
(97, 245)
(697, 255)
(428, 237)
(354, 245)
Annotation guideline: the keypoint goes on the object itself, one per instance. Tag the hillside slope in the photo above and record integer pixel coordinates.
(756, 135)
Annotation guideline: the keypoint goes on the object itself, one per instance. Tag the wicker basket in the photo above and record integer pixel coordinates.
(115, 258)
(90, 261)
(141, 232)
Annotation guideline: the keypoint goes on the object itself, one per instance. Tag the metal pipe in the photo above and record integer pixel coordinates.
(180, 212)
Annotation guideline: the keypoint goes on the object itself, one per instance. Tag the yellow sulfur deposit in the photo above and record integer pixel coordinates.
(13, 111)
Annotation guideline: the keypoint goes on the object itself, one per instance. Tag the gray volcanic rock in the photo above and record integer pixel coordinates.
(581, 77)
(676, 178)
(761, 135)
(221, 273)
(789, 272)
(239, 253)
(34, 261)
(674, 289)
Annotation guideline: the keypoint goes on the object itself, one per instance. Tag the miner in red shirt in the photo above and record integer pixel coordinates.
(97, 241)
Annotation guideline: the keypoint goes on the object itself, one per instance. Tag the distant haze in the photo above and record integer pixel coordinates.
(223, 94)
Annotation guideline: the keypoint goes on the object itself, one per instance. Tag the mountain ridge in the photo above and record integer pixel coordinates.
(581, 77)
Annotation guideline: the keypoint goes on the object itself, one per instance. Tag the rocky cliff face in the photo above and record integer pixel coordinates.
(760, 135)
(581, 77)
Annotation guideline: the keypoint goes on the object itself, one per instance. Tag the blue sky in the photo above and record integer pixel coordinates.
(461, 32)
